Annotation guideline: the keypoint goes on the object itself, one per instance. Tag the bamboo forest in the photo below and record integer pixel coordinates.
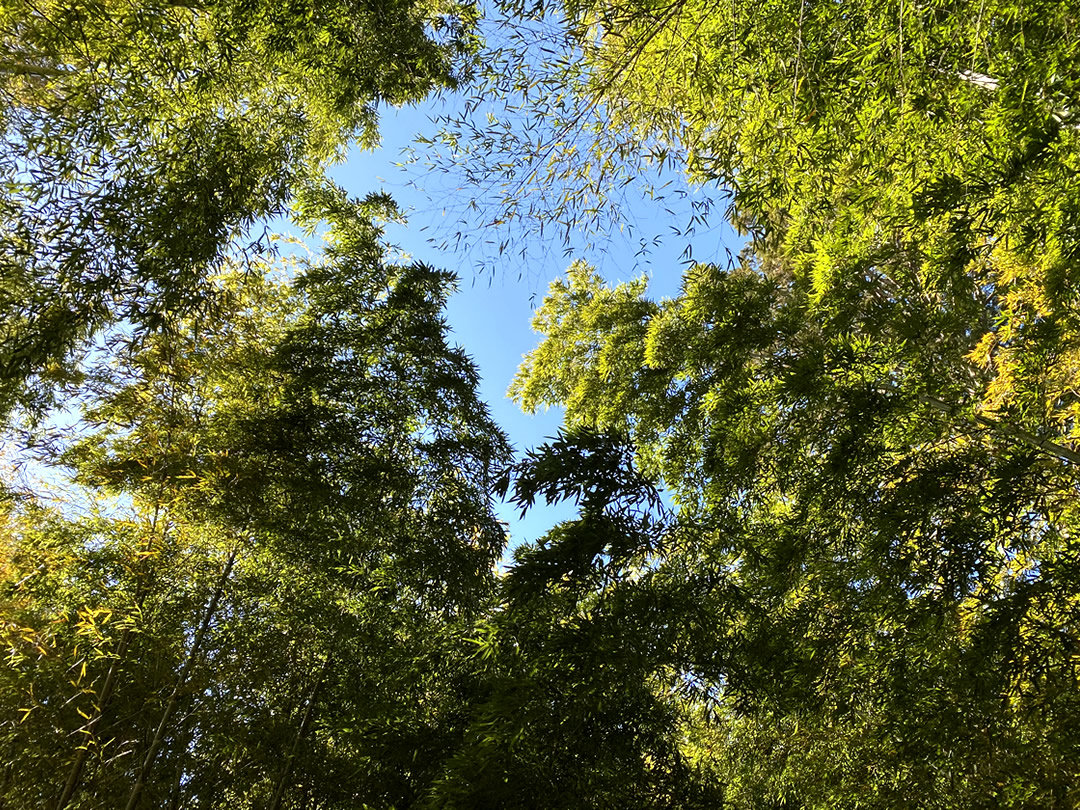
(820, 538)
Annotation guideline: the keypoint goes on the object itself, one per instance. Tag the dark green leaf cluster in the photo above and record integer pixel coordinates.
(868, 424)
(271, 609)
(848, 556)
(825, 552)
(577, 704)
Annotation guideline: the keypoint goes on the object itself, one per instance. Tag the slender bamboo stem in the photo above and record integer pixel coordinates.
(26, 69)
(75, 772)
(181, 679)
(1010, 431)
(305, 721)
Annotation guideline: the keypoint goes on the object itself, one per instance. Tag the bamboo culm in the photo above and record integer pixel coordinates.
(305, 721)
(181, 679)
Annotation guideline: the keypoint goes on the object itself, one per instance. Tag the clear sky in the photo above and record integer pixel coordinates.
(490, 315)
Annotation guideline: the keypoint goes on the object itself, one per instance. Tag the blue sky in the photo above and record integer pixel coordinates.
(490, 315)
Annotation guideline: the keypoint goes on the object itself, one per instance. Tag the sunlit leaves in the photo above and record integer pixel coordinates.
(295, 520)
(849, 529)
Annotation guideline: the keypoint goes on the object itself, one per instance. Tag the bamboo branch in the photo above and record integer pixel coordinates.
(25, 69)
(74, 774)
(305, 721)
(72, 783)
(1009, 431)
(181, 679)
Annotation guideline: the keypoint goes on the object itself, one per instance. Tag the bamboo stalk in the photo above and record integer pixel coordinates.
(75, 773)
(1010, 431)
(305, 720)
(26, 69)
(181, 679)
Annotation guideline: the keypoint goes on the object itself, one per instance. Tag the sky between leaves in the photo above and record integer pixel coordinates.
(491, 314)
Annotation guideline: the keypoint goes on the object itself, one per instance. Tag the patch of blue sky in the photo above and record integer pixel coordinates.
(490, 315)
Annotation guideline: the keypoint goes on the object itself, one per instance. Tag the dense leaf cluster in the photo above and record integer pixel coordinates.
(142, 141)
(868, 422)
(272, 606)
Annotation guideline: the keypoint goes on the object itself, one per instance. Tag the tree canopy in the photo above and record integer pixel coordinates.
(867, 423)
(825, 551)
(143, 141)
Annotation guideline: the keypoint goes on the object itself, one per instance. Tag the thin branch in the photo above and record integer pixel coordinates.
(301, 732)
(181, 679)
(75, 772)
(26, 69)
(1009, 431)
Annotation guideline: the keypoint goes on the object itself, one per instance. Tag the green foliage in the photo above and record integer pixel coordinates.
(143, 141)
(302, 526)
(862, 575)
(826, 550)
(576, 698)
(922, 155)
(867, 423)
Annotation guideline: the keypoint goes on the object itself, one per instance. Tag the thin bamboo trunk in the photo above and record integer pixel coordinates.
(305, 721)
(174, 696)
(75, 773)
(27, 69)
(1009, 431)
(178, 782)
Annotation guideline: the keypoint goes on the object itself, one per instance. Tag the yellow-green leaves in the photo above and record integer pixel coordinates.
(595, 338)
